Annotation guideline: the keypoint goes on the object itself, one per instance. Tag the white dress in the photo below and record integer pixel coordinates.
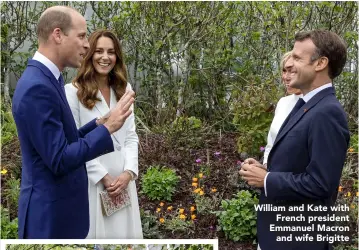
(126, 223)
(284, 106)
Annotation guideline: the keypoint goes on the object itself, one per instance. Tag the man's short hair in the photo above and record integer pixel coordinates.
(52, 19)
(327, 44)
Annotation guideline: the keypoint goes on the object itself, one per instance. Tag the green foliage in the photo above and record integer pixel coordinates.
(8, 127)
(11, 192)
(159, 183)
(149, 225)
(191, 247)
(252, 117)
(354, 142)
(186, 123)
(176, 224)
(8, 227)
(238, 218)
(205, 205)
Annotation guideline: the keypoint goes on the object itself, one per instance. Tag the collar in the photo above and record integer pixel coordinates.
(46, 61)
(312, 93)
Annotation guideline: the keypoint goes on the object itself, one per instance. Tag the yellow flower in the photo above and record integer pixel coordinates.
(351, 150)
(162, 220)
(192, 208)
(169, 208)
(213, 190)
(194, 179)
(181, 211)
(352, 206)
(161, 204)
(193, 216)
(201, 192)
(182, 216)
(158, 210)
(200, 175)
(4, 171)
(194, 184)
(340, 188)
(349, 194)
(357, 194)
(197, 190)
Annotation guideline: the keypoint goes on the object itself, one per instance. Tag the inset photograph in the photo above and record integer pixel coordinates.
(109, 247)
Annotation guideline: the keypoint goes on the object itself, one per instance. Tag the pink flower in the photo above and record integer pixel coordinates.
(262, 149)
(239, 162)
(217, 153)
(198, 160)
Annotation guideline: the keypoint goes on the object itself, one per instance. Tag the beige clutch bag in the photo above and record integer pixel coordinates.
(110, 206)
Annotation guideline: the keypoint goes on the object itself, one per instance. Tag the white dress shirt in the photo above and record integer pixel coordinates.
(284, 106)
(46, 61)
(306, 98)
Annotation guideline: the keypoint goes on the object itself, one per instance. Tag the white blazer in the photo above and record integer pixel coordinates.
(125, 223)
(284, 106)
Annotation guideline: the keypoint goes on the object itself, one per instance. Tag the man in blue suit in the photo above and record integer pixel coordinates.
(307, 158)
(53, 200)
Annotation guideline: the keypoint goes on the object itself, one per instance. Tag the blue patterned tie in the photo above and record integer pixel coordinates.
(62, 83)
(297, 106)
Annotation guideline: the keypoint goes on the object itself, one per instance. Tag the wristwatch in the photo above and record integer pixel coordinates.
(98, 120)
(105, 117)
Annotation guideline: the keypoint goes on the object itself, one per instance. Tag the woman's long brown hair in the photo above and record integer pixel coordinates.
(85, 80)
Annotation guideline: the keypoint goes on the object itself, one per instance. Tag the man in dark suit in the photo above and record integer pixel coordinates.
(307, 158)
(53, 200)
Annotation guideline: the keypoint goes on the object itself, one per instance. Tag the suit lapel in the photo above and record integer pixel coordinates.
(56, 84)
(51, 77)
(102, 105)
(301, 112)
(113, 102)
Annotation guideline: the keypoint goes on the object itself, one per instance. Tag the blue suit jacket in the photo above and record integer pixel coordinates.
(305, 166)
(53, 201)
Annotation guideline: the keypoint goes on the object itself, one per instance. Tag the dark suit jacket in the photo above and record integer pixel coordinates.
(305, 165)
(53, 201)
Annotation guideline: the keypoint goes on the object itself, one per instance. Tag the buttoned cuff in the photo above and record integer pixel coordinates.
(265, 184)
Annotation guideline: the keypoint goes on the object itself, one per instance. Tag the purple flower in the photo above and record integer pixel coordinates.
(212, 227)
(198, 160)
(217, 153)
(262, 149)
(239, 162)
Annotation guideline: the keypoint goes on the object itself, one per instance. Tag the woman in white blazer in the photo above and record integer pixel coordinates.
(284, 106)
(99, 84)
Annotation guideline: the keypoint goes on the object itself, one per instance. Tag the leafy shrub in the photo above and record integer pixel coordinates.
(205, 205)
(8, 127)
(238, 218)
(8, 227)
(159, 183)
(354, 142)
(149, 225)
(187, 123)
(12, 192)
(176, 224)
(252, 115)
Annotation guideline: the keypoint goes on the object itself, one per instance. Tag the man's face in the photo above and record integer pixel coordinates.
(287, 77)
(302, 69)
(75, 44)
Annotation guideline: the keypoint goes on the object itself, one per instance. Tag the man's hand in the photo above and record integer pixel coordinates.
(254, 162)
(120, 113)
(253, 173)
(120, 183)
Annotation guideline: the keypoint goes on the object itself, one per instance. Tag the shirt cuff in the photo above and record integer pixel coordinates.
(265, 184)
